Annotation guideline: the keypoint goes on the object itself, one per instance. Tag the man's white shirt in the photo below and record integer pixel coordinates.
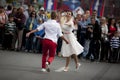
(52, 30)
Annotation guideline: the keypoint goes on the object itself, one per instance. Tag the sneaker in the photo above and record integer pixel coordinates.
(43, 70)
(47, 67)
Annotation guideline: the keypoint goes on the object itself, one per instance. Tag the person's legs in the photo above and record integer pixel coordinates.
(9, 41)
(45, 53)
(20, 34)
(90, 50)
(110, 56)
(48, 47)
(59, 45)
(5, 42)
(39, 47)
(115, 55)
(31, 43)
(86, 48)
(102, 53)
(13, 41)
(67, 63)
(52, 50)
(97, 49)
(76, 61)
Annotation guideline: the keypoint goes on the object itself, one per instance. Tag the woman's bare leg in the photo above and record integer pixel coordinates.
(67, 63)
(76, 60)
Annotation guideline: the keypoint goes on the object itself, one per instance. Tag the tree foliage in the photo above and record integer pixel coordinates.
(10, 1)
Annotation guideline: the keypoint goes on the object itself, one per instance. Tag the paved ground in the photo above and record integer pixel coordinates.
(26, 66)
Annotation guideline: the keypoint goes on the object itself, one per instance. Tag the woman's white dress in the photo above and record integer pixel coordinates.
(73, 47)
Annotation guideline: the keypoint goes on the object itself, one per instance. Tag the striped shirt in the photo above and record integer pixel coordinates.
(115, 42)
(10, 27)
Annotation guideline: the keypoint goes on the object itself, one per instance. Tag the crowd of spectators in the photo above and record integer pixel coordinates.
(100, 36)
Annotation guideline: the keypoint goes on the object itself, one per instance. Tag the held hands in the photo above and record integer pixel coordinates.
(89, 29)
(18, 19)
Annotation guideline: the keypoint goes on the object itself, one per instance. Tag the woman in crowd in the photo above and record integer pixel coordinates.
(104, 39)
(112, 28)
(30, 25)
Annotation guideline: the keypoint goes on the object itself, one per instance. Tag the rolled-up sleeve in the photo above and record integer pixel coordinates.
(40, 27)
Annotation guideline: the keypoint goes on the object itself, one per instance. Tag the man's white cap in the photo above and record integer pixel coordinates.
(25, 7)
(79, 12)
(42, 8)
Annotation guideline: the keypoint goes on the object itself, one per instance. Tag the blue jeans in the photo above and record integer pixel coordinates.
(94, 49)
(86, 47)
(29, 42)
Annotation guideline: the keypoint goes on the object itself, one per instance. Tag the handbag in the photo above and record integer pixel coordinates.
(106, 39)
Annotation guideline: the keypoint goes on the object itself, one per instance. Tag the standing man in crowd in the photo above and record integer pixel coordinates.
(20, 20)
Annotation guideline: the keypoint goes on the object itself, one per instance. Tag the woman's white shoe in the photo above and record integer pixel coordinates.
(65, 69)
(78, 66)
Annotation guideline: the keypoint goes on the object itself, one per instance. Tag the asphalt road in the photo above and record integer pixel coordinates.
(26, 66)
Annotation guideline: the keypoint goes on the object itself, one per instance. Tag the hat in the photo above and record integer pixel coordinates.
(42, 8)
(25, 7)
(79, 12)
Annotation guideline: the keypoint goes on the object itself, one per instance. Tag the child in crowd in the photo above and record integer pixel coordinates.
(10, 31)
(115, 44)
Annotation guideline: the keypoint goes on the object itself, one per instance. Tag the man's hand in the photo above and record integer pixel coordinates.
(18, 19)
(28, 34)
(38, 37)
(67, 42)
(89, 29)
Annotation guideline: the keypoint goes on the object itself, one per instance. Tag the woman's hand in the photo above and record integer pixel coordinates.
(68, 24)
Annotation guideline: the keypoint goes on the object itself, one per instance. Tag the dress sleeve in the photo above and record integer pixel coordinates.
(59, 31)
(70, 23)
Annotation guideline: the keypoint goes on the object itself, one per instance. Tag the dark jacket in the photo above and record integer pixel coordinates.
(96, 34)
(20, 24)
